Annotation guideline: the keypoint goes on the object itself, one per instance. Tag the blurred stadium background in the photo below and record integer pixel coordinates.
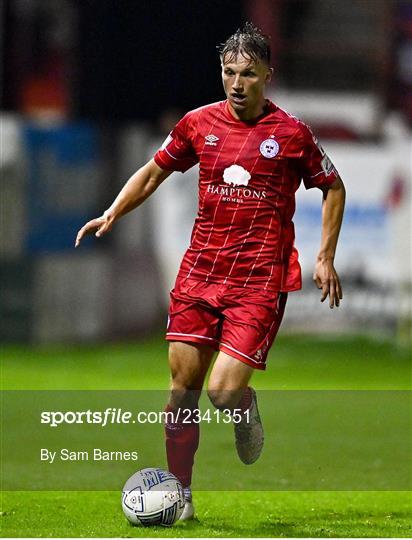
(90, 90)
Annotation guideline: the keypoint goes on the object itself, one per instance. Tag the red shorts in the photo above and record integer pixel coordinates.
(242, 322)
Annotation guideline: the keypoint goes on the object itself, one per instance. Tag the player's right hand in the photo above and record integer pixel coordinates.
(98, 226)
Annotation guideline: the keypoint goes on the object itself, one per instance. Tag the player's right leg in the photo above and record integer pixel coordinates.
(193, 330)
(189, 363)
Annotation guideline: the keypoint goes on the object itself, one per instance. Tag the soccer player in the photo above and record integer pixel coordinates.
(233, 282)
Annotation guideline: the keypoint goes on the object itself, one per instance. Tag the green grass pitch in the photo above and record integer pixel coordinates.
(296, 363)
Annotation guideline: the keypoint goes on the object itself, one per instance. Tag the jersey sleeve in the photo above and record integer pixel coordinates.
(177, 152)
(316, 168)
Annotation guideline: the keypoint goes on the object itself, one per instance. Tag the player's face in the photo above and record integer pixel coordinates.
(244, 82)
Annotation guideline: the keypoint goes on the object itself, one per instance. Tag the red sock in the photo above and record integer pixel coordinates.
(246, 400)
(182, 441)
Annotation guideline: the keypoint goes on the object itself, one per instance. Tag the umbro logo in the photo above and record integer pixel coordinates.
(211, 139)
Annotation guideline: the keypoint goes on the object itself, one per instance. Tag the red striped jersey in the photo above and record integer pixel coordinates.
(243, 234)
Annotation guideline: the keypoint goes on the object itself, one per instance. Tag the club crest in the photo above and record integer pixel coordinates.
(269, 148)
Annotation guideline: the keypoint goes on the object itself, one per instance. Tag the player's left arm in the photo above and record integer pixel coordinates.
(325, 275)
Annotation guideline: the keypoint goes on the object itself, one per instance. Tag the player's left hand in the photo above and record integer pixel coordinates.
(327, 279)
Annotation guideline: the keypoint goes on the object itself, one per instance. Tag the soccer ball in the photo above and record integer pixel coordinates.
(153, 497)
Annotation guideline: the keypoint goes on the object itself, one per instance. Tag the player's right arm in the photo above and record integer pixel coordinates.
(136, 190)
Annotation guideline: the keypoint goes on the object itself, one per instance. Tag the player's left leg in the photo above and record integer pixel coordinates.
(228, 389)
(228, 381)
(251, 321)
